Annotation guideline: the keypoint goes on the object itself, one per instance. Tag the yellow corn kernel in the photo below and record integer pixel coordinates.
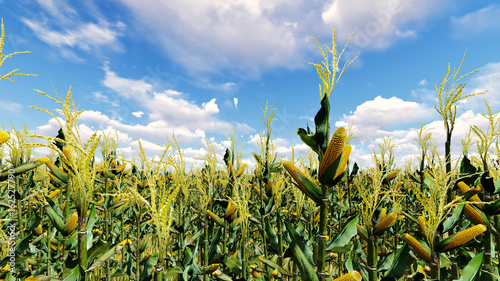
(383, 213)
(71, 222)
(421, 222)
(464, 188)
(235, 254)
(39, 229)
(214, 266)
(275, 273)
(473, 214)
(31, 278)
(465, 236)
(333, 150)
(5, 268)
(351, 276)
(4, 136)
(417, 247)
(386, 222)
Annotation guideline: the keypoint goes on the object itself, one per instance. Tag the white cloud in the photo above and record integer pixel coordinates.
(371, 117)
(422, 82)
(483, 21)
(138, 114)
(378, 23)
(87, 36)
(235, 100)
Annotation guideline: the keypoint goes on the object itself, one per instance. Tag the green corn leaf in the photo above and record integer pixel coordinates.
(295, 238)
(4, 175)
(148, 267)
(402, 260)
(472, 270)
(450, 222)
(76, 274)
(307, 139)
(272, 236)
(322, 134)
(344, 236)
(213, 245)
(310, 188)
(115, 249)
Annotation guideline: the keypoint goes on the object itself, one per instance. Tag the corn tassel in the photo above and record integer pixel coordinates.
(465, 236)
(464, 188)
(333, 150)
(386, 222)
(351, 276)
(473, 214)
(417, 247)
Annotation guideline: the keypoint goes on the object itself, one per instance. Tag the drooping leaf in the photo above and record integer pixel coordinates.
(402, 260)
(472, 270)
(345, 235)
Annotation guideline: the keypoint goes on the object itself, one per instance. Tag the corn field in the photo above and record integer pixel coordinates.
(68, 216)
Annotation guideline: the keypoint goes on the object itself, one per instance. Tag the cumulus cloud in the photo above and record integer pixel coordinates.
(371, 117)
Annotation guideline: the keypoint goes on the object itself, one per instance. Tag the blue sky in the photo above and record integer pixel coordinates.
(150, 68)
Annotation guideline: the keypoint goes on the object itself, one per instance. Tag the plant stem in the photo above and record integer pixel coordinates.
(372, 258)
(320, 255)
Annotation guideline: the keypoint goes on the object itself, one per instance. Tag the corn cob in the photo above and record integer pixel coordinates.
(240, 170)
(314, 192)
(362, 232)
(393, 174)
(465, 236)
(231, 210)
(31, 278)
(417, 247)
(39, 229)
(421, 222)
(464, 188)
(386, 222)
(473, 214)
(351, 276)
(383, 213)
(345, 158)
(4, 136)
(121, 168)
(71, 223)
(216, 218)
(333, 150)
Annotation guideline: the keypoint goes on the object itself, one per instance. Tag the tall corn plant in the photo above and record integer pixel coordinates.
(332, 155)
(448, 96)
(76, 158)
